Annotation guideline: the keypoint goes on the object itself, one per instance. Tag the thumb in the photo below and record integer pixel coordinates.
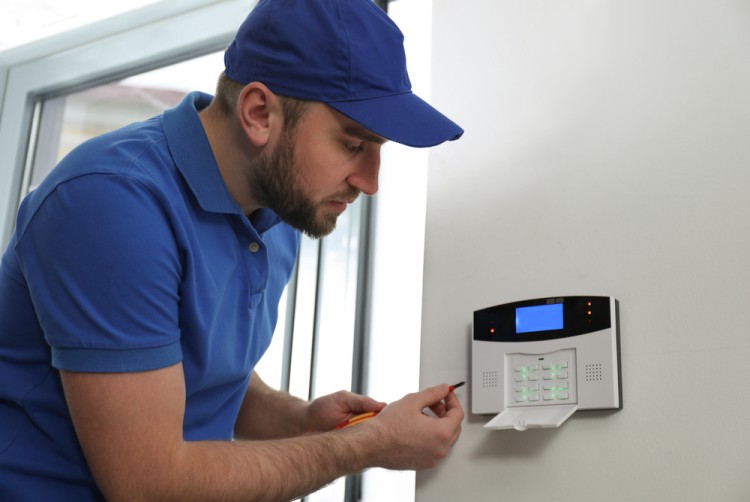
(360, 403)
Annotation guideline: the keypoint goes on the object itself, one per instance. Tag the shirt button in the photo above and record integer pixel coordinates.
(254, 247)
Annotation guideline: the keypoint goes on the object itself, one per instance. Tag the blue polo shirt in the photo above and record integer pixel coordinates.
(131, 256)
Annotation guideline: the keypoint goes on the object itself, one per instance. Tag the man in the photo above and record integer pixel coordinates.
(141, 284)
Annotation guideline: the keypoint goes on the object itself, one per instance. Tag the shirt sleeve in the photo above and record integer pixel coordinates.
(102, 266)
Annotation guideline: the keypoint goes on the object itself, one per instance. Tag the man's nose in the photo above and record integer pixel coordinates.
(365, 178)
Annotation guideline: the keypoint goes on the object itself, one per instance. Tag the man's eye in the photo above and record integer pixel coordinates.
(355, 148)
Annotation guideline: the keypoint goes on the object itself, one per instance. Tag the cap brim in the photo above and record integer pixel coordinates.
(403, 118)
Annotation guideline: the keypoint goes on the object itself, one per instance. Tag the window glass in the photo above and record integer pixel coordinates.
(68, 120)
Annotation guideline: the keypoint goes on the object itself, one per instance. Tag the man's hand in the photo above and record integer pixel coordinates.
(409, 438)
(414, 432)
(326, 412)
(271, 414)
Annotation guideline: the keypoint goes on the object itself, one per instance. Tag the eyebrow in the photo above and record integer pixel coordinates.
(364, 134)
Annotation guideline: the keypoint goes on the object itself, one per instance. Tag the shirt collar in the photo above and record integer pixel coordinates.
(194, 158)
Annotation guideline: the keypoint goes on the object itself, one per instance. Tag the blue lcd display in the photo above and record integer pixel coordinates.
(539, 318)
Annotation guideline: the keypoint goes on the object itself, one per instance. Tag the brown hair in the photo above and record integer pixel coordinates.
(228, 93)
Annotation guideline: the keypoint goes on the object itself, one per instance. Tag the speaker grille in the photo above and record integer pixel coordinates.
(593, 372)
(489, 379)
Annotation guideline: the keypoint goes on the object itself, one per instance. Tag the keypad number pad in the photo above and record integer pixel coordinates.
(541, 379)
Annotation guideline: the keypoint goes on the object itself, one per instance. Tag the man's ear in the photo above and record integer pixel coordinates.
(258, 110)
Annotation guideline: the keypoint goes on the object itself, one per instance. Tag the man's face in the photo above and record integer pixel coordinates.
(317, 169)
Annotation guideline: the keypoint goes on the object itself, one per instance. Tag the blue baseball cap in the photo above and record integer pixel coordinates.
(347, 54)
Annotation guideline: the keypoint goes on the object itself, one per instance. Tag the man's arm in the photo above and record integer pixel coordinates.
(130, 428)
(267, 413)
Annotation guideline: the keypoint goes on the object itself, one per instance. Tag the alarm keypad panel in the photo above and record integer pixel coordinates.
(541, 379)
(535, 362)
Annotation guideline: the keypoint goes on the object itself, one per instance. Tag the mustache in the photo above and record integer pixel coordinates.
(349, 195)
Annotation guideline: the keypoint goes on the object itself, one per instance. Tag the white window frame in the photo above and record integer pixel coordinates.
(152, 36)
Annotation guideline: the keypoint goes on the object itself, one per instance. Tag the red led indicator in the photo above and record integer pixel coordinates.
(492, 330)
(589, 312)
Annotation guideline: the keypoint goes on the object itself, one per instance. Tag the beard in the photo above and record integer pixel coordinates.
(278, 185)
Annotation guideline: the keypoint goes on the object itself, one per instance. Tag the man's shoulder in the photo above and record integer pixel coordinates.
(122, 151)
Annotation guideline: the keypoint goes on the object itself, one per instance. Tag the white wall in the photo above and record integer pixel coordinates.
(396, 282)
(607, 151)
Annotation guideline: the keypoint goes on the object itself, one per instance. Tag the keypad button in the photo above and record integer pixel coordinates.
(520, 397)
(548, 376)
(562, 365)
(562, 395)
(520, 377)
(562, 375)
(533, 397)
(549, 396)
(534, 377)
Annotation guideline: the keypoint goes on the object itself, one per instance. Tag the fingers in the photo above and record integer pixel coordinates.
(360, 404)
(325, 412)
(438, 409)
(357, 419)
(452, 402)
(430, 396)
(440, 400)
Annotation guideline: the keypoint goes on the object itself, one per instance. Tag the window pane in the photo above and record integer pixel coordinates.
(69, 120)
(337, 304)
(336, 310)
